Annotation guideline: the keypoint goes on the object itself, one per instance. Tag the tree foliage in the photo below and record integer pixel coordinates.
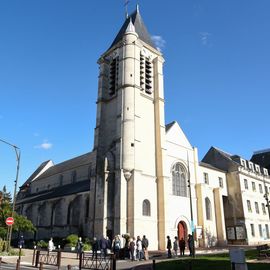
(21, 223)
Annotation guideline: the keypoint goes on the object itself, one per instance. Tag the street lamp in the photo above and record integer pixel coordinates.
(18, 156)
(191, 208)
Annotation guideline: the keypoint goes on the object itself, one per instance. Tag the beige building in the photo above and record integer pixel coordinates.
(246, 210)
(143, 177)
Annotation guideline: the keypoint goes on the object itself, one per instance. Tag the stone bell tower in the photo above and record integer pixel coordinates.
(130, 137)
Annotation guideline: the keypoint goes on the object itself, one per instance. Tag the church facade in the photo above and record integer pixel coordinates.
(143, 177)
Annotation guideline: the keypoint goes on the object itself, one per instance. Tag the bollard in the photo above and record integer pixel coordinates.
(41, 266)
(0, 262)
(34, 255)
(20, 251)
(69, 267)
(18, 264)
(59, 259)
(154, 264)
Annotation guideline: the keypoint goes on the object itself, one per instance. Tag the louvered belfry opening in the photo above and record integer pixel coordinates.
(113, 75)
(146, 74)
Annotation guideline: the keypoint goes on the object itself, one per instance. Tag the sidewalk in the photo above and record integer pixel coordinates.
(69, 258)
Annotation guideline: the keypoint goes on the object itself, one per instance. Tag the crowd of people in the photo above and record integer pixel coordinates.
(180, 245)
(122, 247)
(131, 247)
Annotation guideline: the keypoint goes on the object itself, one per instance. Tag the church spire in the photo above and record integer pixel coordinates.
(139, 26)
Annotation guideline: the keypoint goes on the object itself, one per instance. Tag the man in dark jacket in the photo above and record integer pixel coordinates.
(169, 246)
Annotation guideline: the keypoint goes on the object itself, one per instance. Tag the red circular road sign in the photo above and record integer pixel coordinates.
(10, 221)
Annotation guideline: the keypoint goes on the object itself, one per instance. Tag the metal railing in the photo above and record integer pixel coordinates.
(92, 261)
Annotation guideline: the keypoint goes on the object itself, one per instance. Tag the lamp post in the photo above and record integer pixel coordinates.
(191, 209)
(266, 197)
(18, 156)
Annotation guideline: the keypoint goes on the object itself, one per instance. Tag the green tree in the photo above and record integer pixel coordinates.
(21, 224)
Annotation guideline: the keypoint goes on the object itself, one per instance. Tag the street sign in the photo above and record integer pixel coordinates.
(10, 221)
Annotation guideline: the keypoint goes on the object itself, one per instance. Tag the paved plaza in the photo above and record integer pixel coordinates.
(69, 258)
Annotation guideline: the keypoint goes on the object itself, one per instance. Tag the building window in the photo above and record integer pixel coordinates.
(146, 208)
(246, 183)
(86, 208)
(267, 231)
(260, 188)
(249, 206)
(113, 75)
(208, 209)
(253, 186)
(206, 178)
(243, 163)
(260, 230)
(263, 209)
(257, 168)
(220, 180)
(250, 164)
(252, 229)
(257, 208)
(179, 180)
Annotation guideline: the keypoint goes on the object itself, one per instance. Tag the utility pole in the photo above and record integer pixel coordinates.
(18, 157)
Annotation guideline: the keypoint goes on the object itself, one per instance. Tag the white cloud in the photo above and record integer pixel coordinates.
(159, 42)
(45, 145)
(205, 38)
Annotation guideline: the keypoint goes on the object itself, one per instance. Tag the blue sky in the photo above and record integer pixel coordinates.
(217, 74)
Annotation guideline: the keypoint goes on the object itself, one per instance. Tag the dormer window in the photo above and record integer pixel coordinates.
(114, 67)
(243, 163)
(265, 171)
(251, 167)
(257, 168)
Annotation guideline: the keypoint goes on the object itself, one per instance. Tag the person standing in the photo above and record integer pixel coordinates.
(191, 245)
(51, 245)
(182, 246)
(169, 246)
(175, 246)
(132, 249)
(95, 247)
(79, 247)
(103, 246)
(145, 244)
(116, 246)
(139, 248)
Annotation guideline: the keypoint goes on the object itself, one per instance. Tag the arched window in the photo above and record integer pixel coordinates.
(179, 180)
(69, 213)
(86, 208)
(208, 209)
(146, 208)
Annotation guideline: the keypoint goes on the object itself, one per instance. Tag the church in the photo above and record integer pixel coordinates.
(143, 177)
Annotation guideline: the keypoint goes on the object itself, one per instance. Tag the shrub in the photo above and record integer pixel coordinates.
(42, 244)
(72, 240)
(87, 247)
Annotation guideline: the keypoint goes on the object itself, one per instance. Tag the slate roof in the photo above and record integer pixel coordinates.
(78, 187)
(35, 173)
(140, 28)
(262, 158)
(209, 166)
(68, 165)
(168, 126)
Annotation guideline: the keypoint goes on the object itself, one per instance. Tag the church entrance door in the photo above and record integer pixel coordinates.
(182, 230)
